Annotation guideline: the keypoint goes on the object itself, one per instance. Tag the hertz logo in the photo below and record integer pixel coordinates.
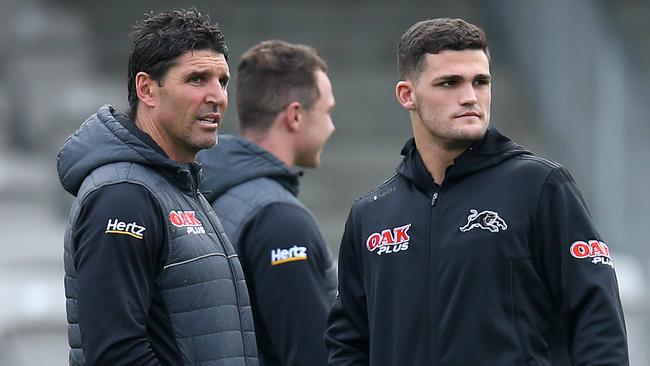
(295, 253)
(116, 226)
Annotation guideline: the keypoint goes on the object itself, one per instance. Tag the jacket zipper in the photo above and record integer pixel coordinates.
(192, 188)
(432, 267)
(434, 198)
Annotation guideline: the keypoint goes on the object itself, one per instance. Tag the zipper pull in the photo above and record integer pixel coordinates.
(434, 198)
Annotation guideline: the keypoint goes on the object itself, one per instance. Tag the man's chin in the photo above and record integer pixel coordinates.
(310, 163)
(466, 139)
(209, 143)
(474, 133)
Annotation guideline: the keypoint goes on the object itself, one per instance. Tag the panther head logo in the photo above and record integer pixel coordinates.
(486, 220)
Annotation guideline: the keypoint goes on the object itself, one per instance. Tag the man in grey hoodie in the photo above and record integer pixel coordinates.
(151, 279)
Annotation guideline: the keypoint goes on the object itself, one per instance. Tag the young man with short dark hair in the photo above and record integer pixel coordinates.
(476, 252)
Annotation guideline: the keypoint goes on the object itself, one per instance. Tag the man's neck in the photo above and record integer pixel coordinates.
(140, 134)
(276, 145)
(436, 158)
(145, 123)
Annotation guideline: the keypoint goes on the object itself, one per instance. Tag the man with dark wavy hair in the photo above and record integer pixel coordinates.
(151, 279)
(475, 252)
(284, 104)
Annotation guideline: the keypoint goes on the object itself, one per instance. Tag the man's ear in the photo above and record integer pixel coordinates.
(145, 88)
(405, 95)
(293, 116)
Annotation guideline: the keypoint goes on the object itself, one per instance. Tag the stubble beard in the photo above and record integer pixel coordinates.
(463, 139)
(207, 143)
(452, 139)
(194, 144)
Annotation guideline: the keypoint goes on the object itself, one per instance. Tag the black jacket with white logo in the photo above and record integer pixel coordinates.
(499, 265)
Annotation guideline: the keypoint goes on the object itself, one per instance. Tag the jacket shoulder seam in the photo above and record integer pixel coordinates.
(378, 188)
(547, 163)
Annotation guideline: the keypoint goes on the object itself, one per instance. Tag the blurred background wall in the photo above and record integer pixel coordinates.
(570, 83)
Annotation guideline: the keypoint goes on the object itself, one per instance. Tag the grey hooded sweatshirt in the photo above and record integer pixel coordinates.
(150, 277)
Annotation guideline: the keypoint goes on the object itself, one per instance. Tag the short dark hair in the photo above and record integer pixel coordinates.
(270, 76)
(159, 39)
(434, 36)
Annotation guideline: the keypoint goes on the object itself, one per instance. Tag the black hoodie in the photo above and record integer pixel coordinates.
(501, 264)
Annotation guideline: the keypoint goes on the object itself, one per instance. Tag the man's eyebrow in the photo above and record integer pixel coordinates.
(451, 77)
(207, 71)
(456, 77)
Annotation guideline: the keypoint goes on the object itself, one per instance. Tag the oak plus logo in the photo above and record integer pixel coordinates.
(132, 229)
(295, 253)
(486, 220)
(188, 220)
(389, 241)
(595, 250)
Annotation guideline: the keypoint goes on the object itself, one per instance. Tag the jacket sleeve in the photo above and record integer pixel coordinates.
(347, 336)
(283, 256)
(118, 243)
(578, 268)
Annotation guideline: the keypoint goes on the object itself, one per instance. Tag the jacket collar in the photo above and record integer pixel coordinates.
(493, 149)
(236, 160)
(185, 175)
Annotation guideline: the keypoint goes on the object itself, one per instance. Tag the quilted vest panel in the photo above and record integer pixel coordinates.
(202, 281)
(242, 203)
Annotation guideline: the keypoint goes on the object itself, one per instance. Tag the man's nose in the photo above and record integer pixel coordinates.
(468, 95)
(217, 95)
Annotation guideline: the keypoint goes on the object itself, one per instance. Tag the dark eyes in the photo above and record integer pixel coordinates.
(478, 82)
(196, 79)
(199, 79)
